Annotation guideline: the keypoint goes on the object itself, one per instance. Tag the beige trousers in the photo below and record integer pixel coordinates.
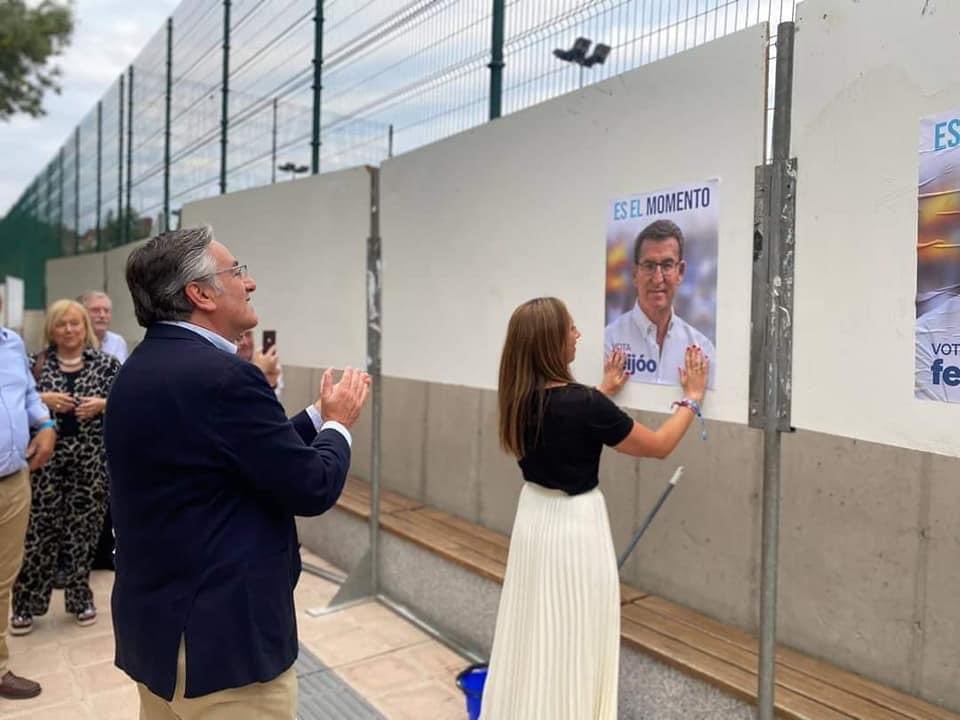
(274, 700)
(14, 516)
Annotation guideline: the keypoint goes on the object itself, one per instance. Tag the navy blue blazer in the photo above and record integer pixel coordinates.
(206, 475)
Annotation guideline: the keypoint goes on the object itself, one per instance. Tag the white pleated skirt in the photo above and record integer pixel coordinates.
(556, 651)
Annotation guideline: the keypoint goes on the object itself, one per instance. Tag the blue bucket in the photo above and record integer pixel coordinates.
(471, 681)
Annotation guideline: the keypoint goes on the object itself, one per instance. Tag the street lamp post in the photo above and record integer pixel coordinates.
(578, 54)
(293, 169)
(273, 151)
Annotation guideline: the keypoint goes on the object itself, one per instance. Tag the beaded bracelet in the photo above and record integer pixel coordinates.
(695, 408)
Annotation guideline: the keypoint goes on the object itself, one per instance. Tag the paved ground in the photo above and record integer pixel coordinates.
(397, 669)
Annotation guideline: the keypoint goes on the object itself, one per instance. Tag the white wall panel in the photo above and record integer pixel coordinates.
(478, 223)
(305, 243)
(70, 276)
(124, 320)
(865, 74)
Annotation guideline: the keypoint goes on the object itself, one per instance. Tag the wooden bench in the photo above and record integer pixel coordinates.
(724, 656)
(462, 542)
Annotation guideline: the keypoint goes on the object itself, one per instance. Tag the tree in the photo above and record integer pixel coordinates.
(29, 37)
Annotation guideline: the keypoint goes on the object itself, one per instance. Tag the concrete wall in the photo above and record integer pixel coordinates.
(33, 322)
(68, 277)
(124, 319)
(463, 606)
(868, 575)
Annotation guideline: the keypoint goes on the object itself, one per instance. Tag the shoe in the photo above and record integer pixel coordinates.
(13, 687)
(21, 625)
(87, 616)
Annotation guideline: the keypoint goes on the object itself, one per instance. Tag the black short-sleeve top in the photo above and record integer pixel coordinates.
(577, 422)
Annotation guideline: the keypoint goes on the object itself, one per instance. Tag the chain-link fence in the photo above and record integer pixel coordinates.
(233, 94)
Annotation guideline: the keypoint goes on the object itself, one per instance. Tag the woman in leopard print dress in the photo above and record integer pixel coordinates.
(69, 495)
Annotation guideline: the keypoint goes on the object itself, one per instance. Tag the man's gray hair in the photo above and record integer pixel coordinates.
(159, 271)
(90, 295)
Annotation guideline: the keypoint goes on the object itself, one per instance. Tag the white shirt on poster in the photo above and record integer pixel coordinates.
(115, 345)
(937, 340)
(635, 334)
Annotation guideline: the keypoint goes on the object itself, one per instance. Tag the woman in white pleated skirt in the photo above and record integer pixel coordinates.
(556, 650)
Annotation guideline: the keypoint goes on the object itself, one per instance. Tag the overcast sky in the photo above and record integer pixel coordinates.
(107, 37)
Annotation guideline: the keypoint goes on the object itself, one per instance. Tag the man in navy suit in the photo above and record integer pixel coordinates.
(206, 476)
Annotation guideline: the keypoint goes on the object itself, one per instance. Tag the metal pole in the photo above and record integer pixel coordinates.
(127, 229)
(390, 142)
(496, 59)
(650, 515)
(60, 206)
(99, 168)
(119, 220)
(317, 87)
(166, 129)
(273, 151)
(225, 100)
(334, 577)
(374, 331)
(76, 190)
(776, 361)
(50, 197)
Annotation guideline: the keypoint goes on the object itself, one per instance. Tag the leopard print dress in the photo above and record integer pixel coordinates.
(69, 496)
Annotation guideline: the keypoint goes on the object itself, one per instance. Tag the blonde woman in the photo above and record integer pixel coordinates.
(69, 494)
(556, 649)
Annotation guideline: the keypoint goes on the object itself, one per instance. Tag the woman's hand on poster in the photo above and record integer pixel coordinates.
(58, 402)
(695, 373)
(614, 373)
(90, 407)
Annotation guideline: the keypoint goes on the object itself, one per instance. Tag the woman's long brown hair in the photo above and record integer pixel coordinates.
(534, 354)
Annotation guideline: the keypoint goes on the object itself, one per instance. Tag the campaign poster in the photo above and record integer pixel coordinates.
(937, 335)
(661, 288)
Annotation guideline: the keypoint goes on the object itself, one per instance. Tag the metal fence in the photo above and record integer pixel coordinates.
(234, 94)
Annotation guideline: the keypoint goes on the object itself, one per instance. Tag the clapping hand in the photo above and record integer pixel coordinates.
(344, 400)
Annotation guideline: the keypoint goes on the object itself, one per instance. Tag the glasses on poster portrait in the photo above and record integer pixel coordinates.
(667, 267)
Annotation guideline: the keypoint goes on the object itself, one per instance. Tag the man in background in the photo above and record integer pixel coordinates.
(268, 362)
(100, 307)
(20, 411)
